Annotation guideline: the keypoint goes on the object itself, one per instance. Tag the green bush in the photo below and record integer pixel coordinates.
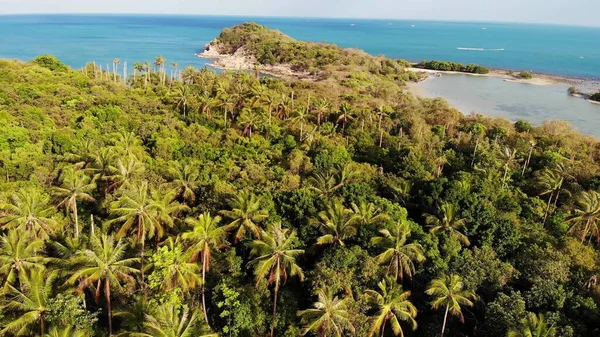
(453, 66)
(525, 75)
(50, 62)
(595, 97)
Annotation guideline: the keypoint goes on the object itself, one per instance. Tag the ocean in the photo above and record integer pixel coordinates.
(559, 50)
(77, 39)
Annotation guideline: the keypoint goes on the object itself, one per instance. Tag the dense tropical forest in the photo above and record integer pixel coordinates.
(186, 202)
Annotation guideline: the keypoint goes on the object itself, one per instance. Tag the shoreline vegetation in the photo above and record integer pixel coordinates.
(240, 59)
(186, 202)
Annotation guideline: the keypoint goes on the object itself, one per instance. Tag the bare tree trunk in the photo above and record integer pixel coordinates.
(92, 222)
(475, 152)
(527, 161)
(547, 209)
(108, 305)
(204, 264)
(445, 318)
(274, 312)
(76, 220)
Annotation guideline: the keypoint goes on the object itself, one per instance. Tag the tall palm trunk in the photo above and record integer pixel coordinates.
(274, 310)
(204, 264)
(76, 220)
(445, 319)
(527, 161)
(475, 152)
(547, 209)
(108, 305)
(42, 324)
(383, 327)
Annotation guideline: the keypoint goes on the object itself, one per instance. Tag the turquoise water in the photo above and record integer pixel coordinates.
(77, 39)
(562, 50)
(494, 96)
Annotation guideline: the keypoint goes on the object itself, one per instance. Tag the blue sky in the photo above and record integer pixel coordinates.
(578, 12)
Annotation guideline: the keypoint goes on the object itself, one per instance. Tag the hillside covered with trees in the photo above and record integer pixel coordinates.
(194, 203)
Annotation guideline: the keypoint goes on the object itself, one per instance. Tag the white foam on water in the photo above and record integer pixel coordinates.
(480, 49)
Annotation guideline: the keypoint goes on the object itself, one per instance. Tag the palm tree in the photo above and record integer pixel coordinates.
(207, 103)
(75, 186)
(345, 115)
(102, 164)
(167, 209)
(446, 221)
(392, 305)
(65, 331)
(551, 182)
(398, 255)
(300, 116)
(226, 104)
(31, 301)
(323, 183)
(509, 157)
(329, 315)
(448, 292)
(115, 63)
(206, 237)
(185, 180)
(368, 214)
(19, 254)
(138, 213)
(585, 219)
(103, 267)
(337, 223)
(276, 260)
(137, 67)
(179, 272)
(248, 121)
(171, 321)
(245, 215)
(160, 62)
(182, 97)
(124, 174)
(533, 326)
(28, 211)
(322, 107)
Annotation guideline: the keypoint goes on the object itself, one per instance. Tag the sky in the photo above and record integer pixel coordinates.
(573, 12)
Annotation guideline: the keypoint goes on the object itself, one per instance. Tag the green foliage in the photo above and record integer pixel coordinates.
(453, 66)
(525, 75)
(111, 194)
(595, 97)
(50, 62)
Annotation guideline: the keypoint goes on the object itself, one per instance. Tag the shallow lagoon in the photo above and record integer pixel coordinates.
(496, 97)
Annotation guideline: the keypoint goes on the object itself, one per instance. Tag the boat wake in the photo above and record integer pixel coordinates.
(480, 49)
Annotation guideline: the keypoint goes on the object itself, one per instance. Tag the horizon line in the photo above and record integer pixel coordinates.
(302, 17)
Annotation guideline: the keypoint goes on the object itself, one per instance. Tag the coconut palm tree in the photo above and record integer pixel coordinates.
(102, 164)
(124, 174)
(275, 260)
(137, 68)
(448, 293)
(167, 209)
(399, 255)
(300, 116)
(206, 237)
(446, 221)
(337, 223)
(65, 331)
(585, 219)
(115, 63)
(509, 157)
(322, 107)
(182, 97)
(245, 214)
(171, 321)
(551, 183)
(368, 214)
(345, 114)
(533, 326)
(19, 254)
(185, 180)
(28, 210)
(103, 268)
(328, 316)
(248, 121)
(75, 186)
(391, 304)
(31, 300)
(179, 272)
(160, 62)
(207, 103)
(323, 183)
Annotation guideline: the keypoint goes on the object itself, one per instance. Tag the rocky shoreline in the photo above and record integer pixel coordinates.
(242, 61)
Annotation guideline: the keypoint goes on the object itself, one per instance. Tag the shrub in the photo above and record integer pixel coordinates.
(50, 62)
(595, 97)
(525, 75)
